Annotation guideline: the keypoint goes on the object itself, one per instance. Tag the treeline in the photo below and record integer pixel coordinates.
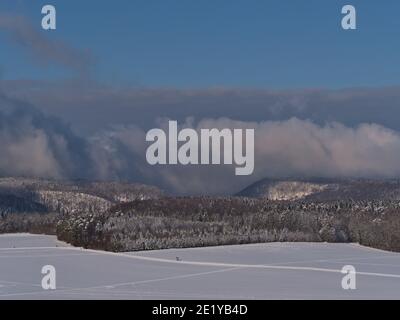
(191, 222)
(35, 223)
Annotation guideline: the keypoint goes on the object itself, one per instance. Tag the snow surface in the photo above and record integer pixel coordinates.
(260, 271)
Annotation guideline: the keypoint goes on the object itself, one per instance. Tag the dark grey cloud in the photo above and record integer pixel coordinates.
(99, 106)
(43, 49)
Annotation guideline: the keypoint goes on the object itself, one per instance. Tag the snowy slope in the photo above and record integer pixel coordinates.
(261, 271)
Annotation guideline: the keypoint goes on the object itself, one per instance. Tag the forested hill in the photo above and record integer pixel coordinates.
(35, 195)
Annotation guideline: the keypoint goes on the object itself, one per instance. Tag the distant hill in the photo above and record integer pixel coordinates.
(37, 195)
(323, 189)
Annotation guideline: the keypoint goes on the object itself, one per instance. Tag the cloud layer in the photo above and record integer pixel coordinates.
(35, 144)
(101, 106)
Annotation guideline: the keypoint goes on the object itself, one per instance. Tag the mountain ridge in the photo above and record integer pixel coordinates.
(323, 189)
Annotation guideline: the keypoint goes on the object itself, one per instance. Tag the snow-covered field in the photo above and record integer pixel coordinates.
(261, 271)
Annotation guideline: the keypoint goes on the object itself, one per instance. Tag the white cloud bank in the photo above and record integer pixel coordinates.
(282, 148)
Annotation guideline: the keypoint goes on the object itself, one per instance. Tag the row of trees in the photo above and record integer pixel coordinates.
(191, 222)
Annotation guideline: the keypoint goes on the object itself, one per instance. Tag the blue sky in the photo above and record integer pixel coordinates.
(208, 43)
